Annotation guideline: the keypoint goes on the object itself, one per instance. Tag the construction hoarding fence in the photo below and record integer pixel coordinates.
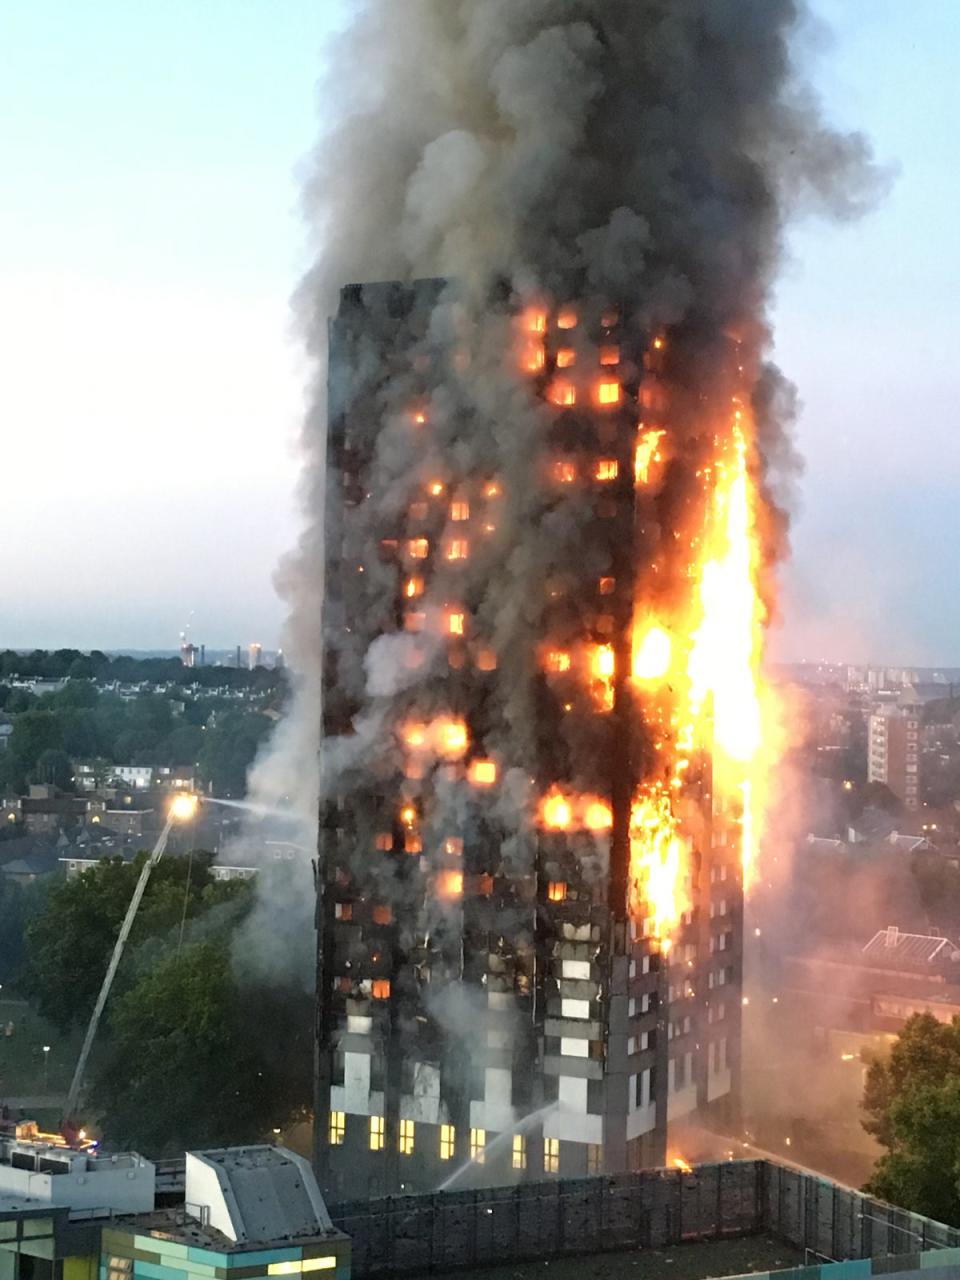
(402, 1235)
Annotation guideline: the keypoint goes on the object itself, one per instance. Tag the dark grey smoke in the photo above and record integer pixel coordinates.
(642, 152)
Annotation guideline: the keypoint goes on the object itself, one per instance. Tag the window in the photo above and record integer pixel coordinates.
(607, 469)
(567, 319)
(566, 357)
(380, 990)
(594, 1157)
(562, 393)
(556, 891)
(608, 392)
(338, 1127)
(406, 1138)
(478, 1145)
(458, 549)
(551, 1155)
(448, 1141)
(376, 1133)
(418, 548)
(519, 1151)
(460, 511)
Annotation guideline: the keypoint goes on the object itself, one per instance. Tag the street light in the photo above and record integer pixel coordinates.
(46, 1059)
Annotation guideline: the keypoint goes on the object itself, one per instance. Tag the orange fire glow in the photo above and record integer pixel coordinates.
(608, 392)
(483, 773)
(648, 453)
(566, 358)
(450, 884)
(562, 393)
(651, 654)
(603, 668)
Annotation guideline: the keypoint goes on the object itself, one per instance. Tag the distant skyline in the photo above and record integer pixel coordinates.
(152, 384)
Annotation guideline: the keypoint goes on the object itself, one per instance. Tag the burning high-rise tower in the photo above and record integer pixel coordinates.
(549, 473)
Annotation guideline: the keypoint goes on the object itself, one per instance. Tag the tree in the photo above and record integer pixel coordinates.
(229, 749)
(70, 942)
(912, 1106)
(194, 1060)
(54, 768)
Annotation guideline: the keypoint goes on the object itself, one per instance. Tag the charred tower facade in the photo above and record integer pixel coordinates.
(529, 889)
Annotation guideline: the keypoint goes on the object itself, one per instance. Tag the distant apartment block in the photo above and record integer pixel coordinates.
(893, 754)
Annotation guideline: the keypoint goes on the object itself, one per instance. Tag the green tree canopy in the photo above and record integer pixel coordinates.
(68, 945)
(195, 1060)
(912, 1106)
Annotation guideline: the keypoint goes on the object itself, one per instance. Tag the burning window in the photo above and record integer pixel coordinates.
(450, 884)
(460, 511)
(485, 885)
(383, 841)
(534, 357)
(565, 472)
(608, 392)
(486, 660)
(557, 812)
(607, 586)
(408, 815)
(557, 891)
(454, 846)
(405, 1143)
(551, 1155)
(380, 990)
(478, 1145)
(458, 549)
(483, 773)
(562, 393)
(338, 1127)
(435, 488)
(535, 320)
(648, 452)
(607, 469)
(343, 911)
(377, 1127)
(448, 1141)
(456, 623)
(382, 914)
(566, 358)
(519, 1151)
(418, 548)
(558, 661)
(412, 843)
(567, 319)
(453, 738)
(609, 356)
(598, 816)
(412, 588)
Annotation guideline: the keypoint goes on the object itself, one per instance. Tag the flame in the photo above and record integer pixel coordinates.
(450, 884)
(681, 1164)
(603, 668)
(726, 651)
(608, 392)
(658, 862)
(562, 393)
(560, 811)
(652, 652)
(483, 773)
(566, 357)
(567, 319)
(648, 452)
(557, 812)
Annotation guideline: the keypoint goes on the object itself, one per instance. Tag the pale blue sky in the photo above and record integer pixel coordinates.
(150, 388)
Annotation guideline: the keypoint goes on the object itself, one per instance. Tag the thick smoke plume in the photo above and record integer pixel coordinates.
(641, 153)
